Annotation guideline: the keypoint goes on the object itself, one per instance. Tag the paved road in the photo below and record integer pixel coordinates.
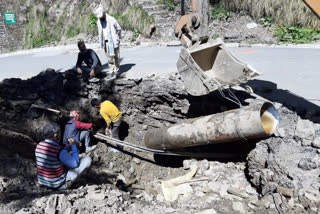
(291, 69)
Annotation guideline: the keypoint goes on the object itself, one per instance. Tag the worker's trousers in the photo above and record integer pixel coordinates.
(85, 138)
(113, 61)
(75, 173)
(115, 129)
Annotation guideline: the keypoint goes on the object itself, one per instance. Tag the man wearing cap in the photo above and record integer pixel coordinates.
(109, 38)
(78, 131)
(58, 167)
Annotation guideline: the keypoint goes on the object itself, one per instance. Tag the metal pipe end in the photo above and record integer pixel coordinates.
(270, 118)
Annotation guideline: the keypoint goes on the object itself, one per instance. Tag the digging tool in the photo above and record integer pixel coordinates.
(192, 181)
(33, 106)
(44, 108)
(59, 113)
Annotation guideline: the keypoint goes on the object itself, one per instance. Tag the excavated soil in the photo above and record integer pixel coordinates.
(276, 174)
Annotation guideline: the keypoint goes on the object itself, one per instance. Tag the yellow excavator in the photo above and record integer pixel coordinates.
(206, 65)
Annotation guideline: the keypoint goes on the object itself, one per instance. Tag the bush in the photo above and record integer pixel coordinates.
(292, 34)
(219, 12)
(169, 3)
(136, 19)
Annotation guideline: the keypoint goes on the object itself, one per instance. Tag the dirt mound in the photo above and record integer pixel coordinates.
(281, 173)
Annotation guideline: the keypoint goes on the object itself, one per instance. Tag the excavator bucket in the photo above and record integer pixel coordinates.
(209, 66)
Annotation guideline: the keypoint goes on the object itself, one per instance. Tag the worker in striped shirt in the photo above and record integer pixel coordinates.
(58, 166)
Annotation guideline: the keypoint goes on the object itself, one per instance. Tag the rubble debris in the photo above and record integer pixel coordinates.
(171, 189)
(272, 162)
(285, 191)
(237, 192)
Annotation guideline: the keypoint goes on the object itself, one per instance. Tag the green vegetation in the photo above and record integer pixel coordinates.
(135, 35)
(136, 19)
(266, 21)
(292, 34)
(12, 48)
(39, 31)
(88, 24)
(72, 31)
(284, 12)
(170, 4)
(36, 31)
(219, 12)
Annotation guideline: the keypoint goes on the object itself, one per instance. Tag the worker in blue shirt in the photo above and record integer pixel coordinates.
(57, 168)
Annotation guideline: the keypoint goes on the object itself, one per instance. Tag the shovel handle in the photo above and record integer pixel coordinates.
(192, 180)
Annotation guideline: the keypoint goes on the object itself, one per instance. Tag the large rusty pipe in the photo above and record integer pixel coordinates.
(254, 121)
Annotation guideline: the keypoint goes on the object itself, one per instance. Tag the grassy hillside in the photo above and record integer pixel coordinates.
(283, 12)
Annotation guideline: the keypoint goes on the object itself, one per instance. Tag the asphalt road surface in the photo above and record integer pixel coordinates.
(292, 69)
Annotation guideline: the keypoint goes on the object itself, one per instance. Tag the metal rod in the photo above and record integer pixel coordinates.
(255, 121)
(182, 7)
(161, 152)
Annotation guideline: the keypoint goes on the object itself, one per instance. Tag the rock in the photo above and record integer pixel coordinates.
(92, 188)
(291, 202)
(267, 201)
(12, 171)
(237, 192)
(111, 165)
(147, 196)
(316, 142)
(57, 202)
(204, 165)
(277, 200)
(281, 132)
(136, 161)
(253, 204)
(24, 211)
(41, 202)
(251, 190)
(160, 198)
(122, 178)
(306, 142)
(305, 129)
(111, 200)
(307, 164)
(131, 170)
(285, 191)
(240, 207)
(169, 210)
(313, 198)
(96, 196)
(51, 205)
(190, 164)
(252, 25)
(208, 211)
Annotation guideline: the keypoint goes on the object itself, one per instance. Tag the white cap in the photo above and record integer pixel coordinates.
(99, 12)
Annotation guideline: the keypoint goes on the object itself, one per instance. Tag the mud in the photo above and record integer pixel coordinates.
(246, 181)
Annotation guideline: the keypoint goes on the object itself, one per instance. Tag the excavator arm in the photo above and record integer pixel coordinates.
(205, 65)
(314, 5)
(193, 27)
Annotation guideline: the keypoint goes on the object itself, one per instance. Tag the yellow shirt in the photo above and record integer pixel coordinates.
(109, 112)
